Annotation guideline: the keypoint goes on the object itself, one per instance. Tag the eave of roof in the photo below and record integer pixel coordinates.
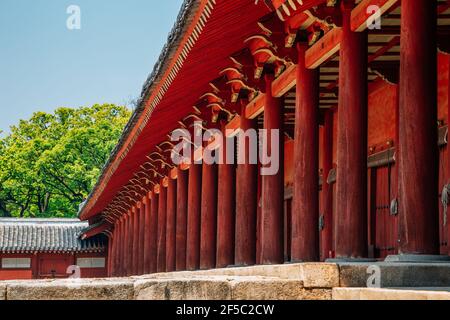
(187, 11)
(224, 30)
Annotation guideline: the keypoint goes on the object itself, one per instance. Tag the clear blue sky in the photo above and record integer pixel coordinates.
(43, 65)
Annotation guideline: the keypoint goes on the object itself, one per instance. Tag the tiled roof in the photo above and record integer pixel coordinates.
(46, 235)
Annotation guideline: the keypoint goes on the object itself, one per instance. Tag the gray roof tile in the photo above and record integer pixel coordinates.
(46, 235)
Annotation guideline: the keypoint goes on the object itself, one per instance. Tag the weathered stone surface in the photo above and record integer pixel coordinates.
(226, 288)
(276, 289)
(320, 275)
(71, 290)
(312, 275)
(193, 288)
(2, 292)
(387, 294)
(397, 274)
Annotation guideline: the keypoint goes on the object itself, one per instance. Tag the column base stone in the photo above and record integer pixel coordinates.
(347, 260)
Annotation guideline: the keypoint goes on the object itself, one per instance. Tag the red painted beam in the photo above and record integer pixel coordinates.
(255, 107)
(181, 221)
(395, 41)
(272, 240)
(171, 225)
(285, 82)
(323, 49)
(162, 216)
(305, 206)
(233, 126)
(362, 17)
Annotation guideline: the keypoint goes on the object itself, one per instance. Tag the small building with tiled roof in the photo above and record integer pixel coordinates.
(46, 248)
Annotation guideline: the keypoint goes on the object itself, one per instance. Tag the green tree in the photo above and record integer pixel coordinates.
(50, 163)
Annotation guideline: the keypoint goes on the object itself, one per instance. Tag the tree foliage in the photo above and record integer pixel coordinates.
(50, 163)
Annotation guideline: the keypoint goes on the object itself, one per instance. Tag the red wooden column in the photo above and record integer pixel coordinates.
(110, 257)
(305, 206)
(351, 184)
(118, 249)
(110, 253)
(162, 211)
(135, 213)
(114, 249)
(193, 219)
(448, 147)
(147, 235)
(327, 193)
(181, 220)
(246, 197)
(141, 237)
(171, 225)
(122, 247)
(154, 231)
(418, 154)
(272, 239)
(130, 270)
(130, 243)
(226, 204)
(208, 229)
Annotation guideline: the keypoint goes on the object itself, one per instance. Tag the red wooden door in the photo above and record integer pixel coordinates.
(383, 223)
(53, 267)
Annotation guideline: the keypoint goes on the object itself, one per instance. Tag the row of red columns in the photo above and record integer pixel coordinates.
(417, 152)
(190, 224)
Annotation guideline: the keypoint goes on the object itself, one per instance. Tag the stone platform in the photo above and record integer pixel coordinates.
(303, 281)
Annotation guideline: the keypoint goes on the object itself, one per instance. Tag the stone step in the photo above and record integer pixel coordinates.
(227, 288)
(391, 294)
(397, 274)
(311, 275)
(192, 287)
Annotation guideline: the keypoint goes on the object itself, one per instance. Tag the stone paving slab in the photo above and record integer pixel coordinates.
(70, 290)
(2, 292)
